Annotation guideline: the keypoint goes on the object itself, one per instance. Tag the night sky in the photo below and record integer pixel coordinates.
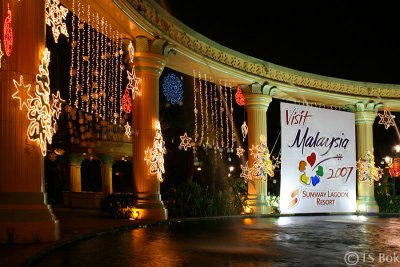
(355, 40)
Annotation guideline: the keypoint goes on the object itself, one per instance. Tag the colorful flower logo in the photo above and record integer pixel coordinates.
(307, 167)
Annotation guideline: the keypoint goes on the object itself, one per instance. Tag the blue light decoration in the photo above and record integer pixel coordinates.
(173, 89)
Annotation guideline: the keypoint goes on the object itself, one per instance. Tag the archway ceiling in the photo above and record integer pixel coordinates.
(122, 15)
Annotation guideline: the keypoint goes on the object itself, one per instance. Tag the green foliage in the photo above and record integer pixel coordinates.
(387, 203)
(117, 205)
(191, 200)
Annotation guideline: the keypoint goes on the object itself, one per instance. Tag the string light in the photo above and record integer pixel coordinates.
(195, 107)
(221, 109)
(201, 110)
(185, 141)
(226, 116)
(172, 88)
(206, 94)
(8, 36)
(232, 132)
(387, 119)
(212, 109)
(55, 14)
(22, 93)
(155, 156)
(72, 71)
(216, 112)
(1, 55)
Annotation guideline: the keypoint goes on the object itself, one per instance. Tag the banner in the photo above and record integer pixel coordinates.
(318, 166)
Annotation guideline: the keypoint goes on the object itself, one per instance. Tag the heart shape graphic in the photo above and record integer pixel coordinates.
(311, 159)
(320, 171)
(315, 180)
(304, 179)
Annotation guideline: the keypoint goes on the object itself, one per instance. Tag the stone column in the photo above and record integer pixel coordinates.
(149, 64)
(75, 161)
(106, 173)
(365, 114)
(256, 103)
(25, 216)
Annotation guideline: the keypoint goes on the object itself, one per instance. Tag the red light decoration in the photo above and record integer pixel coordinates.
(8, 33)
(127, 101)
(239, 97)
(394, 169)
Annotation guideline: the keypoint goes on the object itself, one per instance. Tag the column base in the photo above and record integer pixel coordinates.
(28, 220)
(257, 204)
(150, 207)
(367, 205)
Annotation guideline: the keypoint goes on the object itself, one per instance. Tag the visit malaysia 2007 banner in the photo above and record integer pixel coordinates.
(318, 165)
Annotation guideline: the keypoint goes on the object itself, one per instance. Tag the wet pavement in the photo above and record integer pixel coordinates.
(340, 240)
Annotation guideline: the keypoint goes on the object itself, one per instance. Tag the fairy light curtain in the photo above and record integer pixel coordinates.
(97, 67)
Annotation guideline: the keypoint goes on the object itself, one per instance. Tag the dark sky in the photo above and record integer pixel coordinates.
(355, 40)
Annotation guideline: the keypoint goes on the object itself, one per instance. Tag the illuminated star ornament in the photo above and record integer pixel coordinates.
(42, 112)
(185, 141)
(154, 156)
(387, 119)
(55, 14)
(173, 88)
(22, 94)
(8, 36)
(133, 81)
(239, 151)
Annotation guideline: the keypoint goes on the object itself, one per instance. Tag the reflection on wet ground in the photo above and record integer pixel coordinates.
(281, 241)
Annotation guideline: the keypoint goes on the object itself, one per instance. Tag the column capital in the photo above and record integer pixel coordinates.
(107, 159)
(365, 111)
(75, 159)
(257, 88)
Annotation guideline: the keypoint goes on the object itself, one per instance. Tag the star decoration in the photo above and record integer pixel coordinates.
(254, 150)
(239, 151)
(245, 130)
(387, 119)
(185, 141)
(56, 105)
(55, 13)
(133, 83)
(128, 130)
(22, 93)
(277, 161)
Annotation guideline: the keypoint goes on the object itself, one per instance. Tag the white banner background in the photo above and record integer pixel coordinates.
(318, 166)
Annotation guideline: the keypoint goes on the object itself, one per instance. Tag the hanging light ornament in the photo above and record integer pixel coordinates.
(185, 141)
(55, 14)
(128, 130)
(239, 151)
(127, 101)
(239, 97)
(8, 33)
(133, 81)
(387, 119)
(173, 88)
(245, 130)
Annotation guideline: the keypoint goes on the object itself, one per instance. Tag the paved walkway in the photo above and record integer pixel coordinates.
(75, 224)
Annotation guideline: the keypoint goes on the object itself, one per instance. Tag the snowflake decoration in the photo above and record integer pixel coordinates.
(277, 161)
(23, 92)
(239, 97)
(185, 141)
(245, 130)
(239, 151)
(173, 88)
(56, 105)
(262, 165)
(8, 36)
(155, 156)
(367, 171)
(387, 119)
(55, 14)
(246, 172)
(128, 129)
